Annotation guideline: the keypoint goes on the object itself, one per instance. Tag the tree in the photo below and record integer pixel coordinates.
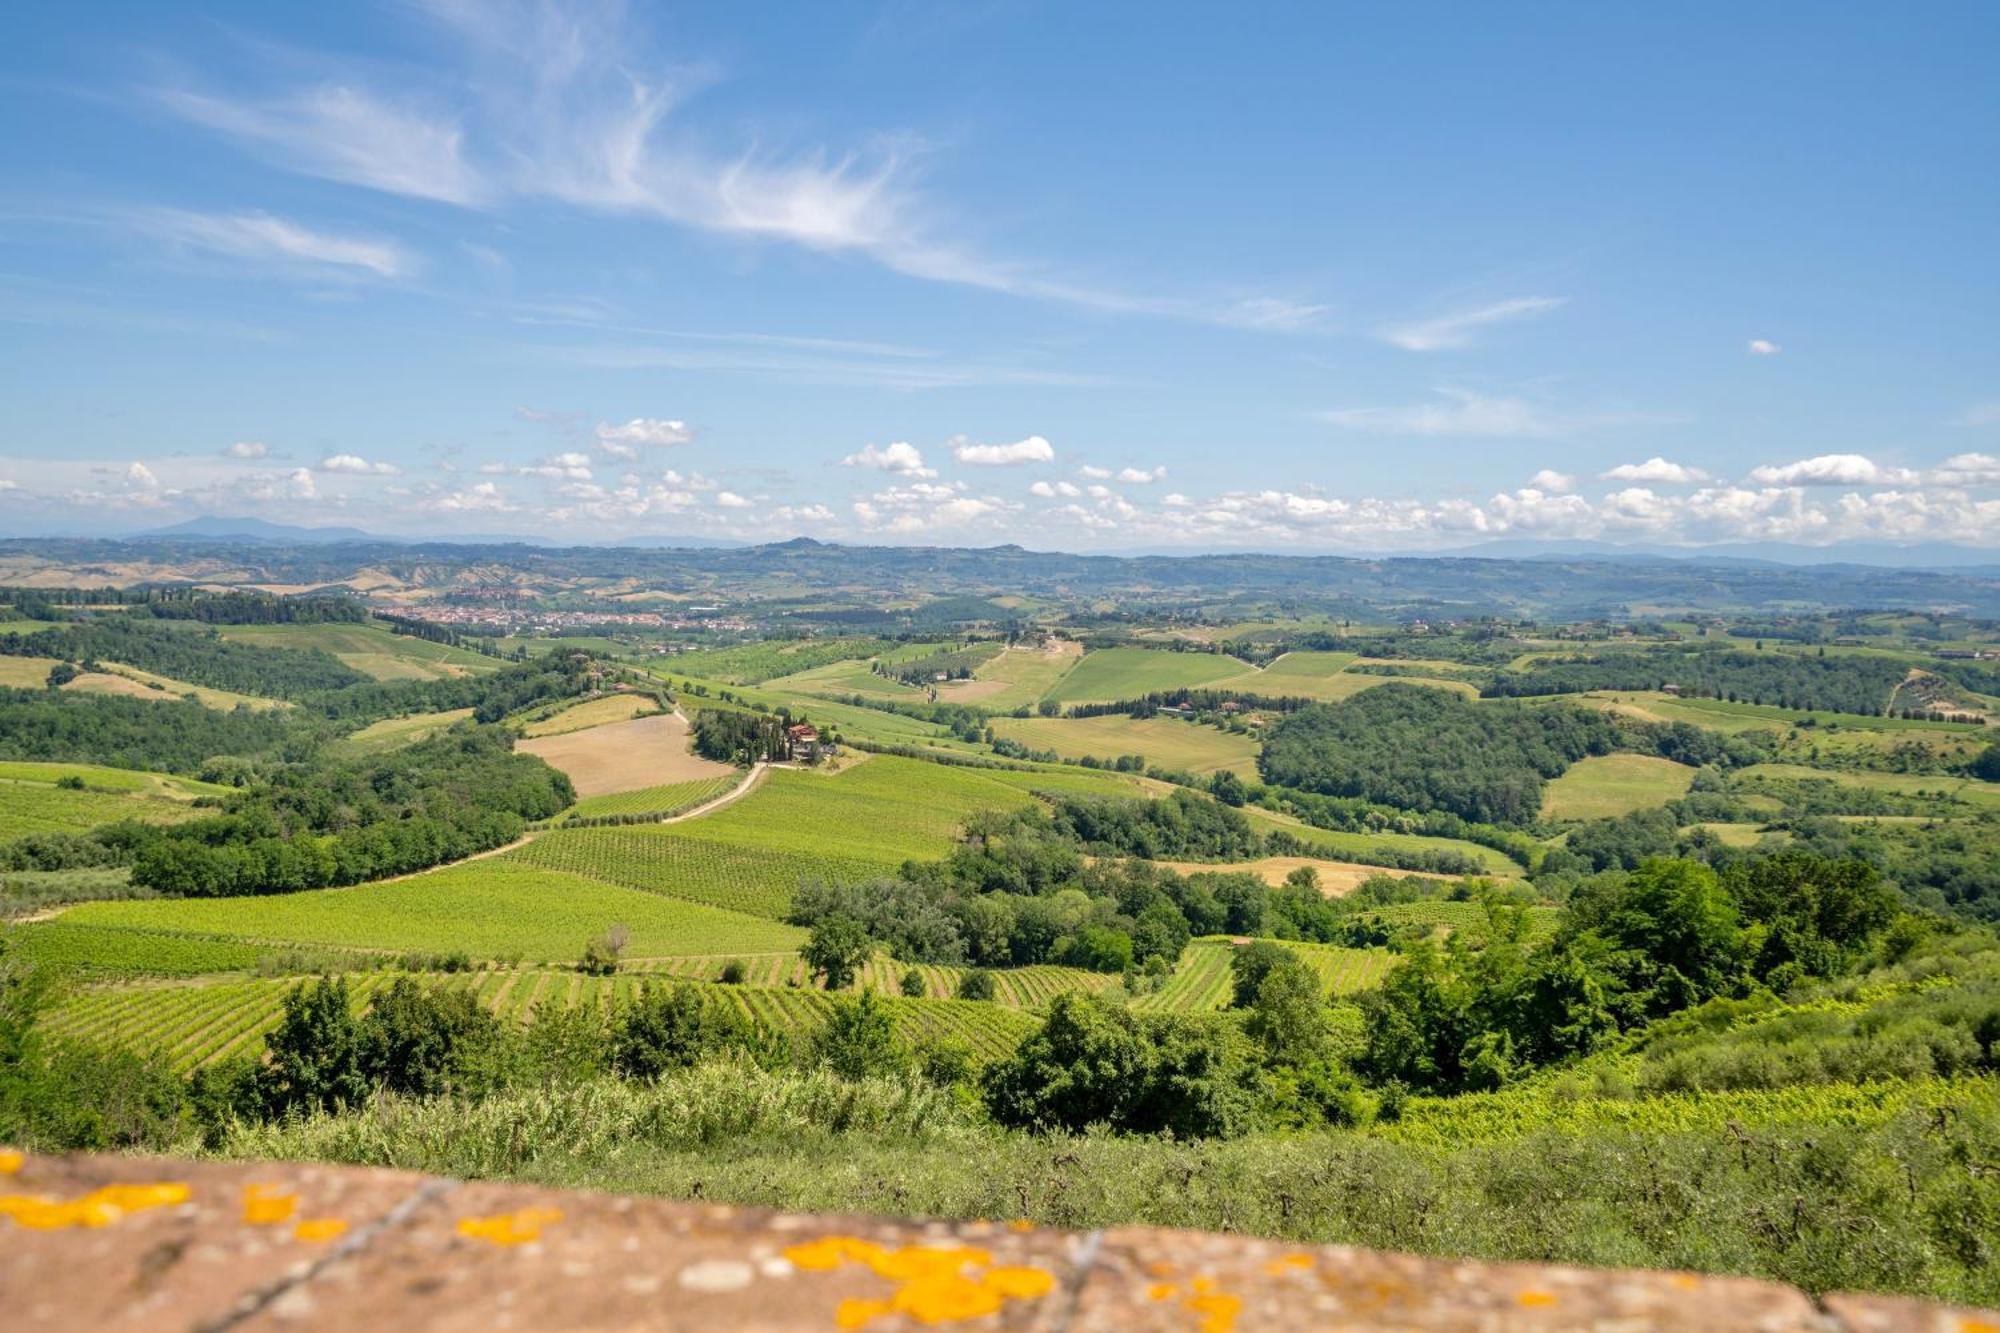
(421, 1042)
(976, 985)
(1160, 932)
(837, 949)
(859, 1039)
(314, 1054)
(1289, 1017)
(1250, 964)
(1987, 766)
(913, 983)
(667, 1028)
(1096, 1063)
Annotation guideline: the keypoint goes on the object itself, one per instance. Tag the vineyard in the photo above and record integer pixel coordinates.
(665, 860)
(1541, 1108)
(496, 908)
(118, 951)
(661, 802)
(1203, 980)
(193, 1024)
(40, 807)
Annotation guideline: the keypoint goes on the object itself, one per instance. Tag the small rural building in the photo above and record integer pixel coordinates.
(804, 742)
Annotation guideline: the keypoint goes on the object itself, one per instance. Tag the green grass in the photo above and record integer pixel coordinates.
(131, 682)
(1604, 786)
(1357, 847)
(98, 777)
(490, 909)
(1130, 673)
(1166, 742)
(31, 802)
(393, 733)
(369, 649)
(1026, 676)
(1984, 795)
(759, 881)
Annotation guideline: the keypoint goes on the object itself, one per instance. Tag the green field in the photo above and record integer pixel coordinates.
(134, 683)
(1166, 742)
(1982, 795)
(1358, 847)
(369, 649)
(495, 908)
(31, 802)
(392, 733)
(1024, 676)
(1131, 673)
(1606, 785)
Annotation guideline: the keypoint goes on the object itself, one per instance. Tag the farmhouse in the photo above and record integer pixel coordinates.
(804, 741)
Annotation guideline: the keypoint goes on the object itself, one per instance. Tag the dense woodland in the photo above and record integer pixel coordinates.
(1844, 684)
(1427, 749)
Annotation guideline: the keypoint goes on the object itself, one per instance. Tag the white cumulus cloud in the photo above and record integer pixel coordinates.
(1034, 449)
(1764, 347)
(902, 458)
(1552, 481)
(358, 465)
(1656, 470)
(247, 449)
(656, 431)
(1832, 470)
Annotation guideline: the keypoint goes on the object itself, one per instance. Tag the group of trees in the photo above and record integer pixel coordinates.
(1840, 684)
(199, 656)
(1426, 749)
(1054, 885)
(733, 736)
(312, 826)
(1629, 948)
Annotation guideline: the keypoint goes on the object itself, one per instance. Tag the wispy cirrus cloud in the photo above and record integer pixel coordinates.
(1469, 412)
(575, 103)
(1458, 328)
(260, 238)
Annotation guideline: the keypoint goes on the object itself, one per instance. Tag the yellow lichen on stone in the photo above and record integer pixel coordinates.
(12, 1160)
(937, 1284)
(1288, 1264)
(1536, 1299)
(510, 1228)
(319, 1228)
(99, 1208)
(1162, 1291)
(268, 1205)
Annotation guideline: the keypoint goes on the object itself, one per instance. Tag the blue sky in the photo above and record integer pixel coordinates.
(1108, 276)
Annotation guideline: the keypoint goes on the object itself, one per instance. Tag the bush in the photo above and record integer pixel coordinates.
(859, 1039)
(601, 955)
(732, 973)
(314, 1059)
(422, 1042)
(913, 983)
(669, 1027)
(1096, 1063)
(976, 984)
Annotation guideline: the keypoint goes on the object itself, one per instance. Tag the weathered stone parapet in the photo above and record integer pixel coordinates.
(109, 1242)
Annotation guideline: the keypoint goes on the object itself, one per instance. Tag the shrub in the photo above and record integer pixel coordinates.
(732, 973)
(314, 1053)
(976, 985)
(859, 1039)
(669, 1027)
(421, 1041)
(913, 983)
